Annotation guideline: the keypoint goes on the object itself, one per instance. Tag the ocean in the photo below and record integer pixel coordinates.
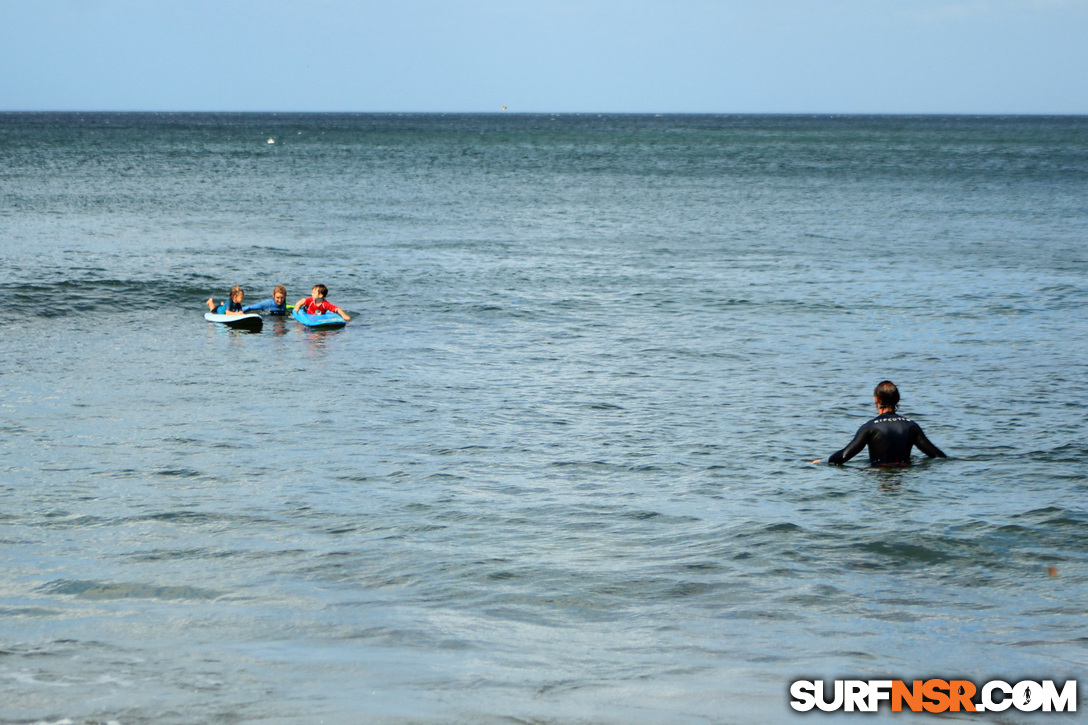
(557, 467)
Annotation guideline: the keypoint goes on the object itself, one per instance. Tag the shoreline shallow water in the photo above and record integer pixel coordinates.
(554, 470)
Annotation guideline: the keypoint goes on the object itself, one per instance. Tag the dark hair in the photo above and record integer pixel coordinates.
(886, 394)
(322, 289)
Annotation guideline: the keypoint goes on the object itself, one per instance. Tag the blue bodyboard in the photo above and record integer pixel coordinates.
(329, 319)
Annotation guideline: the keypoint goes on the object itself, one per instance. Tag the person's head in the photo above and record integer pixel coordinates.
(237, 294)
(886, 395)
(320, 292)
(279, 294)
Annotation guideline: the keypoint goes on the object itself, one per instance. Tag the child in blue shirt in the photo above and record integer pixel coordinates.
(231, 307)
(275, 306)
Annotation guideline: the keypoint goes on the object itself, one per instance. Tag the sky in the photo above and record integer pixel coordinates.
(618, 56)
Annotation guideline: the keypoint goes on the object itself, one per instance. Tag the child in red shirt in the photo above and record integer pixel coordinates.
(316, 304)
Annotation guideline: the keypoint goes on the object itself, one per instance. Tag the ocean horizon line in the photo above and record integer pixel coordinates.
(649, 114)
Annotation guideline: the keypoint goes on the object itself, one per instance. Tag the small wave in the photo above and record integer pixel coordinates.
(820, 594)
(654, 515)
(903, 553)
(1068, 453)
(782, 528)
(76, 297)
(198, 518)
(28, 612)
(188, 517)
(90, 589)
(178, 473)
(65, 520)
(603, 467)
(1052, 516)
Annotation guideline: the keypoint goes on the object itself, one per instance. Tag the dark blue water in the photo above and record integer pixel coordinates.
(555, 469)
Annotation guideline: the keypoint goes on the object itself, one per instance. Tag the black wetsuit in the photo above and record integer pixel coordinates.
(889, 437)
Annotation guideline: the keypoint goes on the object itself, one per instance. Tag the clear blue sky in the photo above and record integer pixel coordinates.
(723, 56)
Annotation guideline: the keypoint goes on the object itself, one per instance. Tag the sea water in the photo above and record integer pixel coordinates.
(557, 468)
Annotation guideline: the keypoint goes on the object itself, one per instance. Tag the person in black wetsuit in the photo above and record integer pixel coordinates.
(889, 436)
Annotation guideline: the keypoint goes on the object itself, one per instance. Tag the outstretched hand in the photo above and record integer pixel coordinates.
(816, 461)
